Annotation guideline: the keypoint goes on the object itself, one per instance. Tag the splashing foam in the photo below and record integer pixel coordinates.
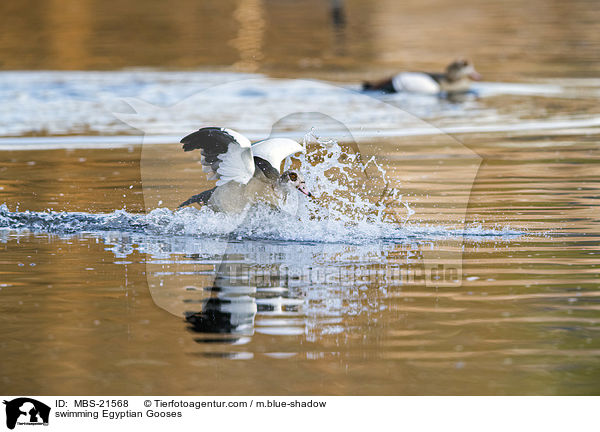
(259, 223)
(352, 207)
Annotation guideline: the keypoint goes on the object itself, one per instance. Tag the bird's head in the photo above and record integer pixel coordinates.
(296, 179)
(462, 68)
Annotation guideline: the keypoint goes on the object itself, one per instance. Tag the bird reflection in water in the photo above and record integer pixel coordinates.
(239, 292)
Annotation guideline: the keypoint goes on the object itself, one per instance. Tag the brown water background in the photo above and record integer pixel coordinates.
(507, 39)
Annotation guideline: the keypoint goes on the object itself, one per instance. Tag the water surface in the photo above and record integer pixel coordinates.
(109, 307)
(462, 259)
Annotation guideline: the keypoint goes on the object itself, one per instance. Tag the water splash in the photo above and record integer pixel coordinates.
(259, 223)
(356, 203)
(348, 193)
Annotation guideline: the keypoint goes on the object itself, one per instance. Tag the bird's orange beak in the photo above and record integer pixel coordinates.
(475, 76)
(302, 188)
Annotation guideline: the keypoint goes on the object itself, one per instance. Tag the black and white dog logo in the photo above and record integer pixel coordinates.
(26, 411)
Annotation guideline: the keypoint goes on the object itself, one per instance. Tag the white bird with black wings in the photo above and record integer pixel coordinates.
(246, 173)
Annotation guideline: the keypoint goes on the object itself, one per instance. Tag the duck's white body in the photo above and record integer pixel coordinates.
(415, 82)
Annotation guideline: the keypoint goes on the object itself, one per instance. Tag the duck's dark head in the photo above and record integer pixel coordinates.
(460, 69)
(296, 179)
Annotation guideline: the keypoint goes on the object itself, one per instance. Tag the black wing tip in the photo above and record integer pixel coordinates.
(188, 146)
(188, 141)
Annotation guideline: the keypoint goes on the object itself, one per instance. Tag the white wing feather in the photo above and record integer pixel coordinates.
(237, 164)
(275, 150)
(241, 139)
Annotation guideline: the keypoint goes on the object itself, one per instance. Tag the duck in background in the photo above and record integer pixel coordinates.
(456, 79)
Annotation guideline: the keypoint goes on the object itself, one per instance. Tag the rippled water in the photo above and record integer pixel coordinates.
(119, 302)
(453, 246)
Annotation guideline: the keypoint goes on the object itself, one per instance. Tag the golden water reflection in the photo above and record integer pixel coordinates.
(507, 40)
(524, 320)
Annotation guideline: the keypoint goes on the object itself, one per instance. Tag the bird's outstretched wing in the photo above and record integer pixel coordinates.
(226, 155)
(275, 150)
